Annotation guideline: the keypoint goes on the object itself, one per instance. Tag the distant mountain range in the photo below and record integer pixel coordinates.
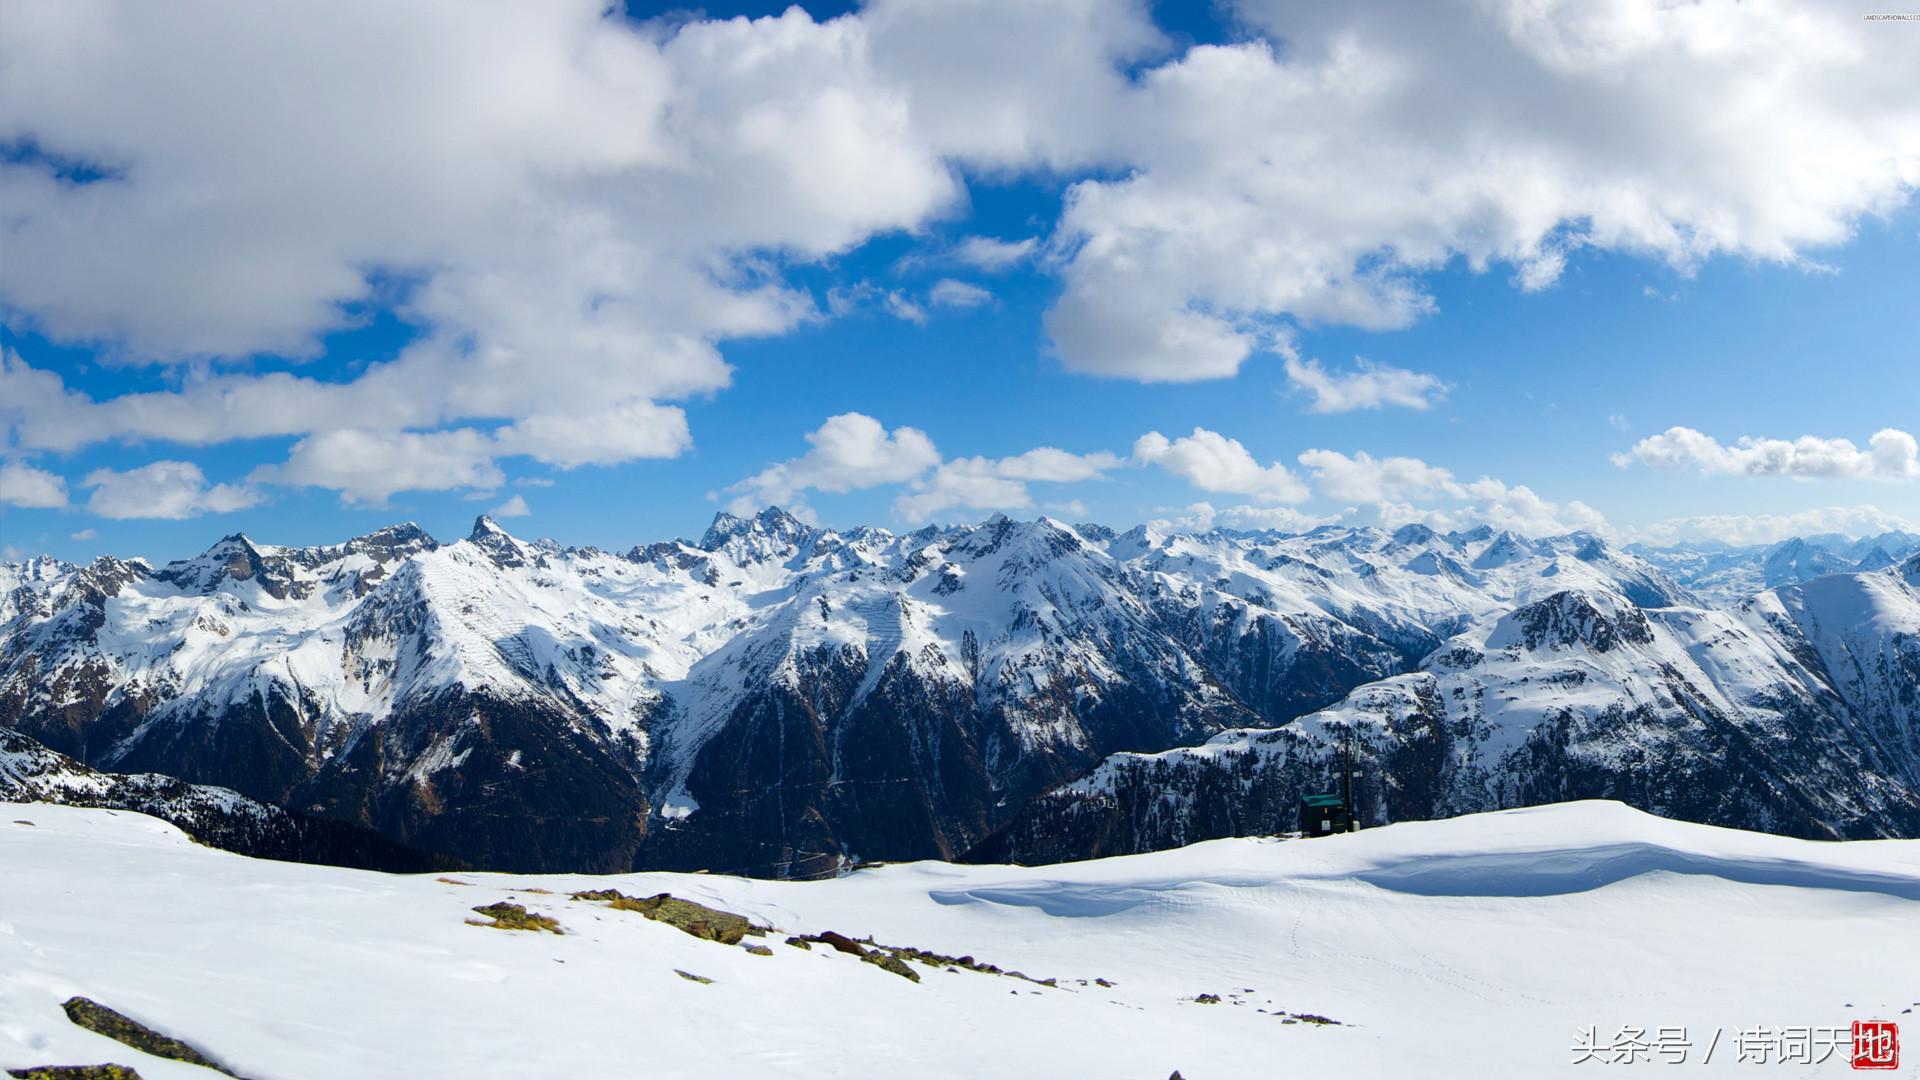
(781, 700)
(1725, 574)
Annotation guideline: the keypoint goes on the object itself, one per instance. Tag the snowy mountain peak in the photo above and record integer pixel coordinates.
(977, 663)
(405, 537)
(1797, 560)
(1599, 622)
(498, 545)
(1414, 535)
(771, 534)
(1506, 549)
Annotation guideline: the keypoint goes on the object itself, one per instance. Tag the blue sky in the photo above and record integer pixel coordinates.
(1771, 309)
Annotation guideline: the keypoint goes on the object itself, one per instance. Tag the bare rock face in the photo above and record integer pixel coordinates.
(1748, 719)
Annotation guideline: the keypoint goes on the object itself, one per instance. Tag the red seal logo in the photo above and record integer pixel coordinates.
(1876, 1044)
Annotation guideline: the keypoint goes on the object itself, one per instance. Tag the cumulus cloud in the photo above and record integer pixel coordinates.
(163, 489)
(1890, 454)
(1365, 478)
(1519, 508)
(1400, 490)
(994, 255)
(1316, 182)
(369, 467)
(948, 293)
(1367, 386)
(24, 485)
(978, 483)
(625, 432)
(579, 209)
(1742, 529)
(1213, 462)
(849, 451)
(1203, 516)
(512, 508)
(854, 451)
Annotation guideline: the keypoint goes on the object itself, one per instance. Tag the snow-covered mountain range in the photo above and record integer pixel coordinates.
(1726, 573)
(778, 700)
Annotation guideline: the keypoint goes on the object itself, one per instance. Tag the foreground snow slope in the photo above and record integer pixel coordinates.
(1468, 947)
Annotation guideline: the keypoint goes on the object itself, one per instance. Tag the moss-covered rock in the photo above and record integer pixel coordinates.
(123, 1029)
(759, 950)
(889, 962)
(691, 977)
(711, 924)
(73, 1073)
(507, 916)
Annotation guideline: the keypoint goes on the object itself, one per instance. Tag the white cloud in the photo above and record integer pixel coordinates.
(1316, 182)
(992, 255)
(1742, 529)
(1890, 454)
(369, 467)
(83, 534)
(948, 293)
(1069, 508)
(854, 451)
(979, 483)
(1403, 489)
(22, 484)
(1368, 386)
(1212, 462)
(584, 207)
(634, 429)
(513, 507)
(1365, 478)
(1203, 516)
(163, 489)
(846, 300)
(900, 307)
(850, 451)
(1519, 508)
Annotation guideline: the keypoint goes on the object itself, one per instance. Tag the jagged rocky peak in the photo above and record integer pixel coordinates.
(770, 534)
(37, 568)
(498, 545)
(395, 541)
(109, 574)
(1575, 617)
(231, 558)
